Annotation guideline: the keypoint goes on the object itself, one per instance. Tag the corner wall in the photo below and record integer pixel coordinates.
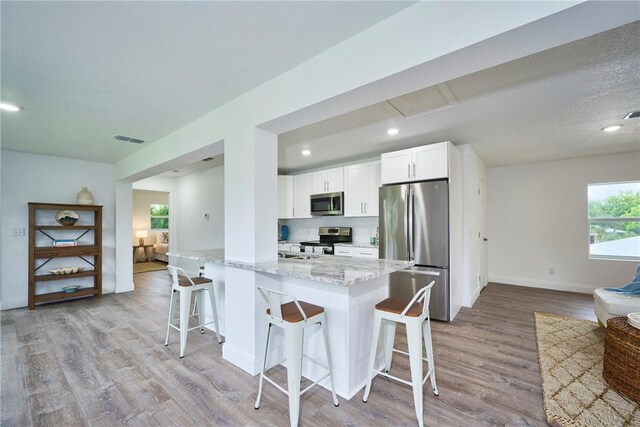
(537, 219)
(35, 178)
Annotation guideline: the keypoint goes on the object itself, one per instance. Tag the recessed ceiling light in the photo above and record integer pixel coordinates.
(306, 152)
(392, 131)
(612, 128)
(10, 107)
(175, 170)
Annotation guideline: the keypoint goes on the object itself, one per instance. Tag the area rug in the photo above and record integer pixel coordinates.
(574, 392)
(143, 267)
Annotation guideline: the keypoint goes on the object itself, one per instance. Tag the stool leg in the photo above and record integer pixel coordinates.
(199, 303)
(414, 339)
(214, 311)
(389, 337)
(426, 328)
(372, 356)
(323, 325)
(185, 304)
(264, 364)
(293, 339)
(172, 307)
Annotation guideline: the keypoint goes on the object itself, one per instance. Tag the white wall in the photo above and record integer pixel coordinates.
(142, 199)
(198, 194)
(35, 178)
(537, 219)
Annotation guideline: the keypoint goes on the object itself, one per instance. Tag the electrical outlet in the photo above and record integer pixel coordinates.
(18, 231)
(552, 271)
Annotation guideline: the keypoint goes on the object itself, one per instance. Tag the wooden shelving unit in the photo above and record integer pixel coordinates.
(92, 249)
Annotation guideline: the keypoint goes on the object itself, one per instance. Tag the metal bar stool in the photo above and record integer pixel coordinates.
(415, 316)
(200, 269)
(293, 317)
(187, 287)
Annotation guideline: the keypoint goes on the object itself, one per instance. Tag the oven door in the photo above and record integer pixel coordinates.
(327, 204)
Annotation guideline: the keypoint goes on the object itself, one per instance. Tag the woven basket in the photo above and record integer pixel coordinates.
(621, 363)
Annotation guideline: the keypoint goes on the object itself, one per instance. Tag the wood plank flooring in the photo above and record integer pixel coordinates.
(103, 363)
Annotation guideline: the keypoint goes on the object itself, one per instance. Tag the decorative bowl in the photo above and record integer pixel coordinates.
(70, 289)
(66, 217)
(66, 270)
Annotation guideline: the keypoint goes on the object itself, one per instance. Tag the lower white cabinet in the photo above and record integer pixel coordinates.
(356, 252)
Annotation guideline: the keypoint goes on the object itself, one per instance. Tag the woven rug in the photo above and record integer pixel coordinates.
(574, 392)
(143, 267)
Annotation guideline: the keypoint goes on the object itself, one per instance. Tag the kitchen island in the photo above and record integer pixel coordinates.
(348, 288)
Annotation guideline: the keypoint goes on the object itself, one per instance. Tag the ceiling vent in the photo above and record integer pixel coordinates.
(208, 159)
(128, 139)
(632, 115)
(424, 101)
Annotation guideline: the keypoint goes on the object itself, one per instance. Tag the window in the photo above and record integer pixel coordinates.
(159, 217)
(614, 220)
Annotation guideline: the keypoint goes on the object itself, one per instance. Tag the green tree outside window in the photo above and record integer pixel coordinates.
(159, 217)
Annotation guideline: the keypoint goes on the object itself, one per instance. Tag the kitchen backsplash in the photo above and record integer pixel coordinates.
(307, 228)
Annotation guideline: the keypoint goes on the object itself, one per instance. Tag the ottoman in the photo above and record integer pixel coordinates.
(611, 304)
(621, 361)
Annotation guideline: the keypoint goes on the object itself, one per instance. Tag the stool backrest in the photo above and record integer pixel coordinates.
(274, 301)
(423, 296)
(174, 276)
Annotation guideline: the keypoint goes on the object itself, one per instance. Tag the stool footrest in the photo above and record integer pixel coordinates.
(407, 354)
(409, 383)
(177, 328)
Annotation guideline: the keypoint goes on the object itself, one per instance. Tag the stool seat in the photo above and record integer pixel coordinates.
(291, 314)
(191, 281)
(396, 306)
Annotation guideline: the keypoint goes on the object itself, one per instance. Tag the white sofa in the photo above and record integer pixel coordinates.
(611, 304)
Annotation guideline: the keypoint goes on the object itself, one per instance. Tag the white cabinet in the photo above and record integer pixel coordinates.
(328, 181)
(416, 164)
(302, 189)
(356, 252)
(285, 196)
(289, 247)
(361, 184)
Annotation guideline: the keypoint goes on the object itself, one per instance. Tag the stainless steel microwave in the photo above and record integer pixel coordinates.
(327, 204)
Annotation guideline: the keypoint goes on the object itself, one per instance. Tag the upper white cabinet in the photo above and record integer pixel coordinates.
(361, 184)
(416, 164)
(328, 181)
(302, 190)
(285, 196)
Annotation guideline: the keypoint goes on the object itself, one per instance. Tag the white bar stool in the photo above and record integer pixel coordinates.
(415, 315)
(200, 269)
(187, 287)
(293, 317)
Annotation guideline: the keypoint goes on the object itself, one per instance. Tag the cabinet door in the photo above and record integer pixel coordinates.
(335, 180)
(354, 189)
(431, 161)
(343, 251)
(319, 184)
(371, 187)
(301, 192)
(285, 196)
(396, 166)
(365, 252)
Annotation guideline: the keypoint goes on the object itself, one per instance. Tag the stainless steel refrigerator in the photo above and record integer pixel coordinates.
(414, 225)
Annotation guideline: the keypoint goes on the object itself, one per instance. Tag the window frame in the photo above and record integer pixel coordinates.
(591, 220)
(151, 216)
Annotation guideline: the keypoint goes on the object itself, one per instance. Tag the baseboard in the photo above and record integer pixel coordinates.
(241, 359)
(535, 283)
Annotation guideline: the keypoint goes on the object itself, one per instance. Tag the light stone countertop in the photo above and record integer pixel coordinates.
(330, 269)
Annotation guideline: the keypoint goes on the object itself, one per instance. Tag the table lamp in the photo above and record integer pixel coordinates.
(141, 235)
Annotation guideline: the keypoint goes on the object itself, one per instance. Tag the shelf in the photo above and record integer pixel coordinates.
(66, 227)
(49, 277)
(66, 251)
(54, 296)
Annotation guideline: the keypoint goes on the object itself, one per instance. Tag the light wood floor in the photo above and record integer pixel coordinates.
(103, 362)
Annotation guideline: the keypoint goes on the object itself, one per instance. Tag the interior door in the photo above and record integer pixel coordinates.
(481, 226)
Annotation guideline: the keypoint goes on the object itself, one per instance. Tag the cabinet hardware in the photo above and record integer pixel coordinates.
(365, 207)
(414, 170)
(361, 211)
(408, 170)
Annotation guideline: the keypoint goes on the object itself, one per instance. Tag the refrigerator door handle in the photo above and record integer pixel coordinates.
(407, 232)
(425, 273)
(411, 249)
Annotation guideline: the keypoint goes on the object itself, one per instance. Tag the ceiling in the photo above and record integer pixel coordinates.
(547, 106)
(85, 71)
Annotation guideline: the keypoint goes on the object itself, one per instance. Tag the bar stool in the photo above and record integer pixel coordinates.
(293, 317)
(200, 269)
(187, 287)
(415, 316)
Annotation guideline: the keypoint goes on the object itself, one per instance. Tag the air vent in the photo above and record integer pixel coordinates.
(632, 115)
(128, 139)
(208, 159)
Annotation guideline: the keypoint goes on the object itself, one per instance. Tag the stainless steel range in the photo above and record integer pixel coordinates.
(328, 236)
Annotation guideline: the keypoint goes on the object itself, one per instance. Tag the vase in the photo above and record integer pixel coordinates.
(84, 197)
